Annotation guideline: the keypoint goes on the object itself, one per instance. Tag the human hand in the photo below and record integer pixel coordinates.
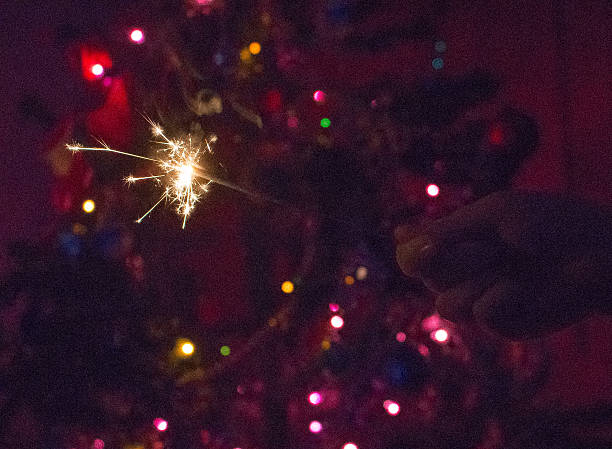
(522, 264)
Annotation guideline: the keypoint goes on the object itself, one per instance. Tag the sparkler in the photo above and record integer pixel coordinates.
(181, 176)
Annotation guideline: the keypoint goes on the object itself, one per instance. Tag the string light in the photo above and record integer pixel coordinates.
(441, 335)
(361, 273)
(89, 206)
(319, 96)
(315, 398)
(187, 348)
(336, 321)
(391, 407)
(433, 190)
(315, 426)
(287, 287)
(160, 424)
(255, 48)
(137, 36)
(437, 63)
(97, 70)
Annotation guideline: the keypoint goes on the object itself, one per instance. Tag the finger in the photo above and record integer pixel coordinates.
(475, 221)
(449, 264)
(455, 304)
(519, 309)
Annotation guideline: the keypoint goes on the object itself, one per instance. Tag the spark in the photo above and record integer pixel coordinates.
(178, 160)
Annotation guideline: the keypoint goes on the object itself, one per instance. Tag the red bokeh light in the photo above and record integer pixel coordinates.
(401, 337)
(336, 321)
(433, 190)
(334, 307)
(94, 62)
(496, 135)
(98, 444)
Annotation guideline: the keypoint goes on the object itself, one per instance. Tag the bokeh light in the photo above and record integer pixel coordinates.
(441, 335)
(349, 280)
(137, 36)
(187, 348)
(433, 190)
(401, 337)
(319, 96)
(255, 48)
(287, 287)
(350, 446)
(225, 350)
(325, 123)
(496, 135)
(334, 307)
(98, 444)
(437, 63)
(89, 206)
(315, 398)
(293, 122)
(97, 70)
(315, 426)
(361, 273)
(336, 321)
(440, 46)
(325, 345)
(391, 407)
(245, 55)
(160, 424)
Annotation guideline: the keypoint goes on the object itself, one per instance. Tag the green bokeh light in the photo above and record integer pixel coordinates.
(325, 123)
(225, 350)
(437, 63)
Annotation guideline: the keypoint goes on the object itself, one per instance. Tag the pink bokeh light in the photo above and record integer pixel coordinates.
(160, 424)
(315, 398)
(336, 321)
(319, 96)
(315, 426)
(137, 36)
(433, 190)
(441, 335)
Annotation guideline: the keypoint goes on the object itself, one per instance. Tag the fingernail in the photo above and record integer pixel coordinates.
(410, 254)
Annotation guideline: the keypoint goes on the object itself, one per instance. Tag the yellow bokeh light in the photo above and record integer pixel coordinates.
(349, 280)
(245, 55)
(272, 322)
(325, 345)
(287, 287)
(89, 206)
(255, 48)
(187, 348)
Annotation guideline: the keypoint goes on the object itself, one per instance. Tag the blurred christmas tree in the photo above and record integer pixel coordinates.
(265, 324)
